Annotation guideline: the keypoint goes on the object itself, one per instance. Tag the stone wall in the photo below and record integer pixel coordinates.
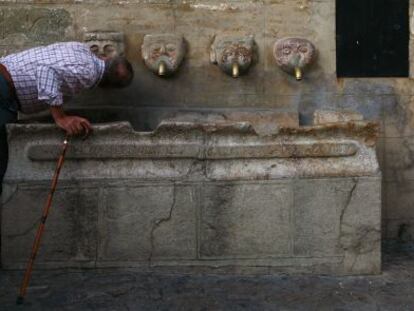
(200, 85)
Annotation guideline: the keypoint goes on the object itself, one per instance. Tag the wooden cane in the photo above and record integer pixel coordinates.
(41, 227)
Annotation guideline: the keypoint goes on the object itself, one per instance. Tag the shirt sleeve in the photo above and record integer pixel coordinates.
(48, 86)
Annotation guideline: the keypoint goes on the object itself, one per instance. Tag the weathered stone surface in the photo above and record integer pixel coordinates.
(401, 230)
(318, 216)
(163, 53)
(70, 237)
(246, 220)
(105, 43)
(233, 54)
(210, 192)
(401, 195)
(264, 122)
(294, 55)
(342, 219)
(146, 223)
(361, 228)
(321, 117)
(27, 27)
(177, 146)
(399, 224)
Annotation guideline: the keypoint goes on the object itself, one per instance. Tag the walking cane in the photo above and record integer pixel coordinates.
(41, 227)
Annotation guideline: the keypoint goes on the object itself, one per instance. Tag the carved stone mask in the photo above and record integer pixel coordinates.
(106, 44)
(234, 55)
(163, 53)
(293, 55)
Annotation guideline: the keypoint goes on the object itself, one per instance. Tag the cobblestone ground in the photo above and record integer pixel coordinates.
(129, 290)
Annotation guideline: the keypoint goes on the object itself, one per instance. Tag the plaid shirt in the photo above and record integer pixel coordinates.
(43, 76)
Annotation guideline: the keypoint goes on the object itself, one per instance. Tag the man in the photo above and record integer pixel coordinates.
(39, 78)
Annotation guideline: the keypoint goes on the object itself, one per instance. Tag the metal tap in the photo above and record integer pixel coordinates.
(298, 73)
(235, 70)
(162, 69)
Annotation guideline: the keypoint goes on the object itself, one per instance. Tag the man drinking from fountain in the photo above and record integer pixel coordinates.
(39, 78)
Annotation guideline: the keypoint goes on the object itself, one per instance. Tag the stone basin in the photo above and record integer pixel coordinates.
(229, 192)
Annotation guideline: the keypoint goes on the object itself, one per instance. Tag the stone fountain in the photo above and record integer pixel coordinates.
(228, 192)
(221, 191)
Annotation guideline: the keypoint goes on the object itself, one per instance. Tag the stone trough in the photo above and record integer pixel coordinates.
(217, 193)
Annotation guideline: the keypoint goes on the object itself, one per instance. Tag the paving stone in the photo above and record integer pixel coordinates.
(119, 289)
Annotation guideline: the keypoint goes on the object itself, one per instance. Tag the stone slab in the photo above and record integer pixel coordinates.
(142, 223)
(230, 150)
(328, 225)
(245, 220)
(71, 228)
(361, 228)
(318, 205)
(341, 218)
(321, 117)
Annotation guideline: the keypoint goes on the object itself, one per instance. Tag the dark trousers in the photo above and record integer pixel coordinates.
(8, 114)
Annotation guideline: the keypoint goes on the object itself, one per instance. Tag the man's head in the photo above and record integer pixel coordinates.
(118, 73)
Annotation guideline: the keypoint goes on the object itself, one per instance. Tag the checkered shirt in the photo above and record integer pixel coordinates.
(43, 76)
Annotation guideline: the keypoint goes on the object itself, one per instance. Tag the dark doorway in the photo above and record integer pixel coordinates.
(372, 38)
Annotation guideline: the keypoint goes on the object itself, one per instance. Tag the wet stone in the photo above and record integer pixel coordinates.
(321, 117)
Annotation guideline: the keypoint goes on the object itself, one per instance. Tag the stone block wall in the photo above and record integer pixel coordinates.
(212, 196)
(202, 86)
(231, 227)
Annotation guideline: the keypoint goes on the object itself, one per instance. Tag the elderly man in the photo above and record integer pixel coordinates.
(39, 78)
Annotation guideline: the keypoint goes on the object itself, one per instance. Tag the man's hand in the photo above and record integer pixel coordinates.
(73, 125)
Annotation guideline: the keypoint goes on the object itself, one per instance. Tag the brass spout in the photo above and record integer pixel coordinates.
(162, 69)
(235, 70)
(298, 74)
